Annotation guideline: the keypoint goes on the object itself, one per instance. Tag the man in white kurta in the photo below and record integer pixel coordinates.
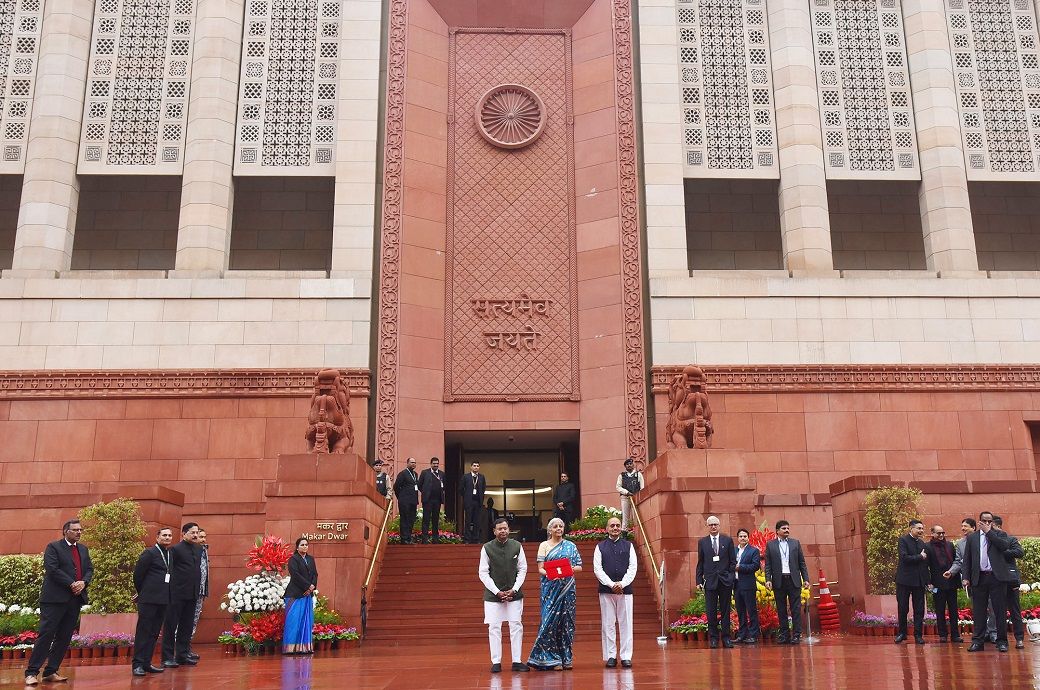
(615, 566)
(503, 567)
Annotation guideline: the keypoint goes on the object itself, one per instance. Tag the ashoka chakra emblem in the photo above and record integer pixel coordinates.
(510, 116)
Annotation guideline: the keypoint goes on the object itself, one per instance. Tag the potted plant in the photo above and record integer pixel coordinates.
(115, 533)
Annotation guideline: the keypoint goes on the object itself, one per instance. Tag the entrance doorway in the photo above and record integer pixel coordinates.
(522, 468)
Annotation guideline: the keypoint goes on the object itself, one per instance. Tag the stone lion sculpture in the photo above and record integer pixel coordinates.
(689, 414)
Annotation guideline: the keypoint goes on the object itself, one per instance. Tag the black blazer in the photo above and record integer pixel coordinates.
(59, 572)
(912, 568)
(567, 494)
(937, 566)
(749, 562)
(404, 488)
(302, 574)
(185, 574)
(714, 574)
(150, 577)
(381, 483)
(999, 543)
(431, 486)
(795, 558)
(466, 489)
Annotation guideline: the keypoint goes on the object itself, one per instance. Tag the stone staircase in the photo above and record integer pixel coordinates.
(431, 592)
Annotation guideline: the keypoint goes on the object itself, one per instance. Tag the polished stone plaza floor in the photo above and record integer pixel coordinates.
(834, 663)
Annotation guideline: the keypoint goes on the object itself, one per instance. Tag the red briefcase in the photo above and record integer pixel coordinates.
(559, 568)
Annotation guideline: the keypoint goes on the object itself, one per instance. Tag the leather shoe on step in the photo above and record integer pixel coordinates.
(727, 644)
(611, 662)
(714, 644)
(919, 639)
(1002, 646)
(32, 680)
(1020, 644)
(496, 668)
(139, 671)
(976, 647)
(170, 664)
(187, 661)
(151, 668)
(625, 663)
(520, 668)
(900, 637)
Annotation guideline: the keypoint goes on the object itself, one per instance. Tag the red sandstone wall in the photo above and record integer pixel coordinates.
(803, 442)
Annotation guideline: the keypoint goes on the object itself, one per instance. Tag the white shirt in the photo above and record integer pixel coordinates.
(630, 574)
(785, 556)
(484, 571)
(740, 552)
(475, 484)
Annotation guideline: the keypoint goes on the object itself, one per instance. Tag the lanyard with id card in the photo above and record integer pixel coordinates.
(166, 561)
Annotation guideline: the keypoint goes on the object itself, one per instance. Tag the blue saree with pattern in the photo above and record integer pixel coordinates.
(553, 647)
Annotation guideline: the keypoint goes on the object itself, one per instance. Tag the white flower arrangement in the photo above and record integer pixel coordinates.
(260, 592)
(1023, 588)
(16, 610)
(1035, 586)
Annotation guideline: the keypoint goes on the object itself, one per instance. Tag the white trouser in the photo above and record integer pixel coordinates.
(516, 641)
(616, 607)
(626, 511)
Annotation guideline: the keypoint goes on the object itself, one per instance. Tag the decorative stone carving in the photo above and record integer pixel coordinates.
(510, 116)
(329, 429)
(19, 53)
(689, 414)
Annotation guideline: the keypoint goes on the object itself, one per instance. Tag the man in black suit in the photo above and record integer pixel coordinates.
(472, 488)
(406, 488)
(1014, 603)
(152, 583)
(716, 563)
(911, 579)
(786, 573)
(565, 501)
(986, 570)
(66, 573)
(185, 586)
(941, 557)
(749, 560)
(431, 487)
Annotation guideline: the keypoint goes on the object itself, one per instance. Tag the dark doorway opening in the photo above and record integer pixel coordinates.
(522, 468)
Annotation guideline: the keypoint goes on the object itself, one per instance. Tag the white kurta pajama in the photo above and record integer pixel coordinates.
(616, 608)
(496, 613)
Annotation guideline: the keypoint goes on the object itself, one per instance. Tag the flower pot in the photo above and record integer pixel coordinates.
(7, 653)
(88, 652)
(76, 652)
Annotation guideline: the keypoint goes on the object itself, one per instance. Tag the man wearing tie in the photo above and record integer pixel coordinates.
(67, 572)
(749, 560)
(785, 574)
(406, 488)
(472, 488)
(986, 570)
(431, 487)
(911, 579)
(152, 585)
(716, 561)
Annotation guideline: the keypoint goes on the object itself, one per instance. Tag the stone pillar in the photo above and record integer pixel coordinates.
(804, 216)
(50, 189)
(353, 217)
(949, 240)
(207, 184)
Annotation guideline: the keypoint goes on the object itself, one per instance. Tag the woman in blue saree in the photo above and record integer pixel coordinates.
(299, 601)
(553, 648)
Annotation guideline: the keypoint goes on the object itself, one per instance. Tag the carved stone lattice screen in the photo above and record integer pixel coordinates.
(729, 123)
(20, 22)
(288, 88)
(510, 288)
(864, 90)
(138, 79)
(994, 45)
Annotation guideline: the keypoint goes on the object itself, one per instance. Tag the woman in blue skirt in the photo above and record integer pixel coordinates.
(299, 601)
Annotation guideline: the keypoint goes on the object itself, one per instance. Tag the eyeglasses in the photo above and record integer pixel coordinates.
(939, 534)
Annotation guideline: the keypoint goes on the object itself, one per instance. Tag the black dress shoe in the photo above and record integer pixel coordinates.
(919, 639)
(520, 668)
(154, 669)
(976, 647)
(992, 637)
(611, 662)
(1020, 644)
(192, 655)
(727, 644)
(626, 663)
(170, 664)
(1002, 646)
(797, 639)
(750, 640)
(139, 671)
(714, 644)
(187, 661)
(496, 668)
(900, 637)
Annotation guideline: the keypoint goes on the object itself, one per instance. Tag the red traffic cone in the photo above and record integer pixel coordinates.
(828, 610)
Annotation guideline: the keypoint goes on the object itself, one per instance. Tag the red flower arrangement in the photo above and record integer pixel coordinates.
(758, 539)
(262, 629)
(269, 553)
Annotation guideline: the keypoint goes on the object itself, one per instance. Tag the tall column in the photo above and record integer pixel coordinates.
(50, 189)
(207, 185)
(949, 240)
(804, 216)
(353, 217)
